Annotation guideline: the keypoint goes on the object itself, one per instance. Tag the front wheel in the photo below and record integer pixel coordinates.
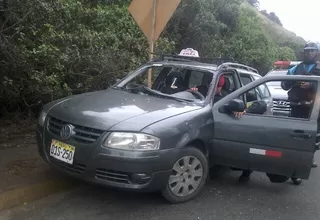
(189, 174)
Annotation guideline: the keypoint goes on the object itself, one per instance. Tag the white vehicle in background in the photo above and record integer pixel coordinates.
(281, 105)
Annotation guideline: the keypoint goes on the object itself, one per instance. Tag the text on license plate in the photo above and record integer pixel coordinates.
(61, 151)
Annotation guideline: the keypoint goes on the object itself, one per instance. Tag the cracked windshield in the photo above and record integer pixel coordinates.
(169, 82)
(159, 109)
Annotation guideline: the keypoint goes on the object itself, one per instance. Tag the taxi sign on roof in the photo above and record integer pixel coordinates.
(189, 52)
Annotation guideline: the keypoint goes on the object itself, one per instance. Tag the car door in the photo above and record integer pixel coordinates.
(266, 143)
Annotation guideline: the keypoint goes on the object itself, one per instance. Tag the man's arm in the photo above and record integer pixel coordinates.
(257, 107)
(286, 85)
(316, 70)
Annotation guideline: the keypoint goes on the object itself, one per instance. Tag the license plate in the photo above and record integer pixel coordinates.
(61, 151)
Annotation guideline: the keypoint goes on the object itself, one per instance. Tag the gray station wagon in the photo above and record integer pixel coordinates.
(150, 132)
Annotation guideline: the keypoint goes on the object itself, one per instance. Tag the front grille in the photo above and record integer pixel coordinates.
(82, 134)
(281, 104)
(113, 176)
(73, 168)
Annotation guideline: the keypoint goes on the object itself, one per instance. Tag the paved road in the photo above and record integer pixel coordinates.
(223, 199)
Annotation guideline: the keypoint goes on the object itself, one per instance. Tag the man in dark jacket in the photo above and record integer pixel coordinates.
(301, 94)
(303, 91)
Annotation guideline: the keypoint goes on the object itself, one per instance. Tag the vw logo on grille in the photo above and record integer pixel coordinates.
(66, 131)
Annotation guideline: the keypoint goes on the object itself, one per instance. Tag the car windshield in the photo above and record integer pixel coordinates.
(179, 83)
(276, 73)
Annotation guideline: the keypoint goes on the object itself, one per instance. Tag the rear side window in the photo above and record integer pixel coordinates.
(245, 79)
(253, 94)
(263, 89)
(230, 86)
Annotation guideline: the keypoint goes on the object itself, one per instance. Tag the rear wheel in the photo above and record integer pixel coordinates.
(189, 174)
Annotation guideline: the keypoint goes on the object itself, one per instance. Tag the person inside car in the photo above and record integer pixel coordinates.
(205, 85)
(301, 94)
(219, 92)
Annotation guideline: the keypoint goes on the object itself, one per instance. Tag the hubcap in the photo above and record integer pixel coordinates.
(186, 176)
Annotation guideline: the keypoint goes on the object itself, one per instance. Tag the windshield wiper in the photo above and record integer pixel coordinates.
(165, 95)
(118, 87)
(123, 89)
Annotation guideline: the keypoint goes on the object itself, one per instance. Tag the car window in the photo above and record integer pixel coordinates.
(252, 95)
(300, 105)
(259, 94)
(245, 79)
(180, 70)
(196, 78)
(173, 81)
(142, 79)
(263, 89)
(230, 85)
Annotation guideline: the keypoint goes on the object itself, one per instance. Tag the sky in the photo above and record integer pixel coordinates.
(300, 16)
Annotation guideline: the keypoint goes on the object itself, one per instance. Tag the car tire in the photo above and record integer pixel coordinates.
(191, 177)
(296, 181)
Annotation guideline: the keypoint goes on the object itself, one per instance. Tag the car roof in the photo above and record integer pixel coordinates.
(248, 72)
(208, 63)
(191, 65)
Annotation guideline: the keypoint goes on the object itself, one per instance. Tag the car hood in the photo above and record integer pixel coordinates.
(107, 108)
(278, 93)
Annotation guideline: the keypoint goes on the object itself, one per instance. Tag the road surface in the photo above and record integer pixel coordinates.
(223, 199)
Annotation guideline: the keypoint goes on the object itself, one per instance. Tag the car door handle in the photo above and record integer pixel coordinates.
(300, 134)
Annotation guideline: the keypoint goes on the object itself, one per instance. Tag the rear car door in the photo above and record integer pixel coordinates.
(267, 143)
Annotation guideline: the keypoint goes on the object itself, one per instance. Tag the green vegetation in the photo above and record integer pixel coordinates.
(53, 48)
(282, 37)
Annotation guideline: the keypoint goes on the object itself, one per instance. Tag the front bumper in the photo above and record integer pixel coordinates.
(281, 112)
(138, 171)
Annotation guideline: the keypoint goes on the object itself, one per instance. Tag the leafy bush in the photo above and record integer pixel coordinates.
(62, 47)
(55, 48)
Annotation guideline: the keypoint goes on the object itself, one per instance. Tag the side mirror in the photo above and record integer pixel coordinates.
(235, 105)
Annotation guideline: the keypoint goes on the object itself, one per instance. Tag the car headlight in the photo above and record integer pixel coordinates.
(132, 141)
(42, 118)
